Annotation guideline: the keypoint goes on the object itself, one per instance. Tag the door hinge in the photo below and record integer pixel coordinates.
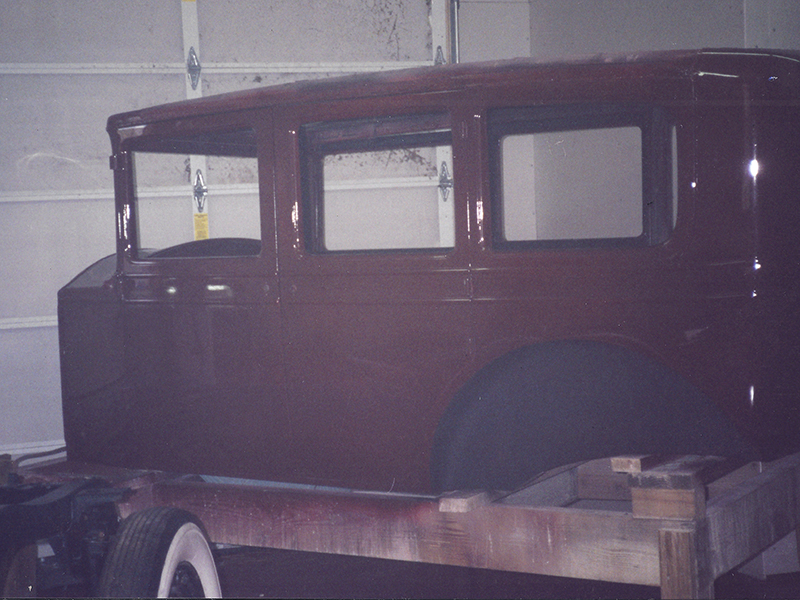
(193, 67)
(117, 162)
(445, 181)
(199, 191)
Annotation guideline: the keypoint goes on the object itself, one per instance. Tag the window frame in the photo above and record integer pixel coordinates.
(319, 139)
(657, 165)
(184, 137)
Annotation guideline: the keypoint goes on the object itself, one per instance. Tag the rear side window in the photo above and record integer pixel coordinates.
(581, 177)
(378, 184)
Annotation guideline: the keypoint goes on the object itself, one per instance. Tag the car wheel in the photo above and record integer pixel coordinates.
(160, 553)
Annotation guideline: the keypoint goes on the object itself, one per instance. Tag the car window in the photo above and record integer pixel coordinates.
(577, 178)
(382, 184)
(197, 195)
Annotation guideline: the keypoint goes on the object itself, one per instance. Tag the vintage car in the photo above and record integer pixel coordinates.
(448, 278)
(359, 316)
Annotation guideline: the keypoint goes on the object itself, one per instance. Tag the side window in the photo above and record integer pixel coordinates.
(382, 184)
(581, 177)
(213, 211)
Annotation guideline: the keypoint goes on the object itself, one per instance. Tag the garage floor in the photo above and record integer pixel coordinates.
(284, 574)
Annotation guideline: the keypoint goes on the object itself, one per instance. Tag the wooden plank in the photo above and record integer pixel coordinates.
(588, 544)
(669, 504)
(590, 480)
(593, 544)
(556, 488)
(6, 467)
(734, 478)
(754, 515)
(684, 573)
(461, 502)
(686, 472)
(636, 463)
(797, 531)
(597, 480)
(779, 558)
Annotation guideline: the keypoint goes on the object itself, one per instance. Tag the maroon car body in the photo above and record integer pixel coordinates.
(439, 343)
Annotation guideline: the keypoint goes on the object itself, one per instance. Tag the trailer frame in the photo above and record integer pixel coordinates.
(677, 523)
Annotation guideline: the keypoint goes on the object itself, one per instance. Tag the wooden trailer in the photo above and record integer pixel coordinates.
(673, 522)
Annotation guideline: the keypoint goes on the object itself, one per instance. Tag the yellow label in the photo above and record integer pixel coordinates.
(201, 226)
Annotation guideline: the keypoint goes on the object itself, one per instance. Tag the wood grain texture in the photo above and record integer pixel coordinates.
(669, 504)
(750, 517)
(588, 544)
(682, 554)
(684, 569)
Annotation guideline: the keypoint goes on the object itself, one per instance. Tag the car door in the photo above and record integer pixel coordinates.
(372, 218)
(203, 387)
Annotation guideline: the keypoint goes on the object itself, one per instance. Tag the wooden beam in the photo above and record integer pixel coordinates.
(676, 489)
(523, 532)
(684, 473)
(755, 514)
(555, 488)
(669, 504)
(461, 502)
(597, 480)
(734, 478)
(684, 571)
(636, 463)
(565, 542)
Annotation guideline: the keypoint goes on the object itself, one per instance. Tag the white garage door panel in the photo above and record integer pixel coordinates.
(308, 30)
(493, 30)
(51, 243)
(64, 68)
(89, 31)
(625, 26)
(30, 392)
(54, 127)
(772, 24)
(51, 140)
(222, 83)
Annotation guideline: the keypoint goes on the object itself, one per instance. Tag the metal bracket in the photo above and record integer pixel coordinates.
(116, 162)
(439, 59)
(200, 191)
(445, 181)
(193, 67)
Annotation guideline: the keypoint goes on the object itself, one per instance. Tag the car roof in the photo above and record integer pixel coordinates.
(445, 78)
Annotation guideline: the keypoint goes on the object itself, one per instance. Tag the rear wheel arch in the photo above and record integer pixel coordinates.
(554, 403)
